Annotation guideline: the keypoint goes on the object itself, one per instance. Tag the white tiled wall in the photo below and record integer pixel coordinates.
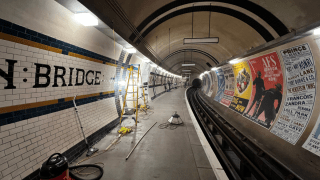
(25, 145)
(24, 93)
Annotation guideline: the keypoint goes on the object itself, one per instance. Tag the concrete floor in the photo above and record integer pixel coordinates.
(163, 153)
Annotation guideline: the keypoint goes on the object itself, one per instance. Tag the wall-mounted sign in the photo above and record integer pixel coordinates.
(266, 92)
(221, 85)
(229, 85)
(301, 93)
(243, 87)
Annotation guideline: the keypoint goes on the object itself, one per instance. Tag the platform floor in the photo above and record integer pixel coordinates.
(163, 153)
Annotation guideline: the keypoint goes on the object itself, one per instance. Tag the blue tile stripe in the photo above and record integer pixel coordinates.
(28, 34)
(16, 116)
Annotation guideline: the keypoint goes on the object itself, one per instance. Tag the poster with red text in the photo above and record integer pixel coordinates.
(266, 91)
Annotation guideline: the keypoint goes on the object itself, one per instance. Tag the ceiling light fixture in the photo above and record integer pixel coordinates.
(201, 40)
(234, 61)
(214, 68)
(131, 50)
(188, 64)
(145, 60)
(316, 31)
(86, 19)
(186, 70)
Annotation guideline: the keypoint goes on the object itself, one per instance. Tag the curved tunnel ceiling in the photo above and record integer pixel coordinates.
(262, 21)
(262, 13)
(240, 25)
(191, 50)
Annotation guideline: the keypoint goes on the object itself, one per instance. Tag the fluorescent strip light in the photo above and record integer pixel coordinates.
(316, 31)
(214, 68)
(200, 40)
(188, 64)
(86, 19)
(145, 60)
(131, 50)
(235, 61)
(186, 73)
(153, 65)
(186, 70)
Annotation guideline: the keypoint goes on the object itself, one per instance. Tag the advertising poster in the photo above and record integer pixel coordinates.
(220, 92)
(208, 83)
(212, 84)
(266, 94)
(301, 93)
(243, 87)
(312, 144)
(229, 85)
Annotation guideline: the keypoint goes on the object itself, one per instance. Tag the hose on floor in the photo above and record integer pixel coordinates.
(95, 165)
(85, 166)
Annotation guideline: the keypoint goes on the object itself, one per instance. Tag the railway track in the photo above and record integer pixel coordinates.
(240, 158)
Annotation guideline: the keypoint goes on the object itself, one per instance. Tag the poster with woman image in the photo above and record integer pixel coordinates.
(243, 87)
(229, 85)
(266, 91)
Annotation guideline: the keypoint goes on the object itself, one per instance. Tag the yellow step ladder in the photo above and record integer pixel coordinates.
(135, 93)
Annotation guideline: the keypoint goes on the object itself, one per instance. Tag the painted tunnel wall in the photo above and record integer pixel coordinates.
(271, 97)
(46, 57)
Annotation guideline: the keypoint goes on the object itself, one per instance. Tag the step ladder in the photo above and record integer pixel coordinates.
(133, 80)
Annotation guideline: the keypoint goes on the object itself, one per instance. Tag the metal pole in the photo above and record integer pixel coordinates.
(139, 141)
(76, 109)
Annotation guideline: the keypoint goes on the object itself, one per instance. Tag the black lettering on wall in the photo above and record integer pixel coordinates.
(97, 78)
(38, 75)
(77, 78)
(70, 77)
(56, 76)
(9, 77)
(89, 83)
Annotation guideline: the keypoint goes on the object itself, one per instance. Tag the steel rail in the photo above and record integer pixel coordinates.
(254, 159)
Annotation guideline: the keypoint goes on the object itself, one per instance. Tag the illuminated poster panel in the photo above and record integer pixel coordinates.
(243, 87)
(221, 82)
(301, 91)
(266, 92)
(229, 85)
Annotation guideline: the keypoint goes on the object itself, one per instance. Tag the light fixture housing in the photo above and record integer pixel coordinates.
(214, 68)
(131, 50)
(234, 61)
(186, 73)
(186, 70)
(86, 19)
(316, 31)
(153, 65)
(145, 60)
(210, 40)
(188, 64)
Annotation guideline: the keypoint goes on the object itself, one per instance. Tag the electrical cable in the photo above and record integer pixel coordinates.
(147, 115)
(171, 125)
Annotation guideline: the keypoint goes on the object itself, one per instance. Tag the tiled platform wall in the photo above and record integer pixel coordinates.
(37, 116)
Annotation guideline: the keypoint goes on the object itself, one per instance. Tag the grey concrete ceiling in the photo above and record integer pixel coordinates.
(240, 25)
